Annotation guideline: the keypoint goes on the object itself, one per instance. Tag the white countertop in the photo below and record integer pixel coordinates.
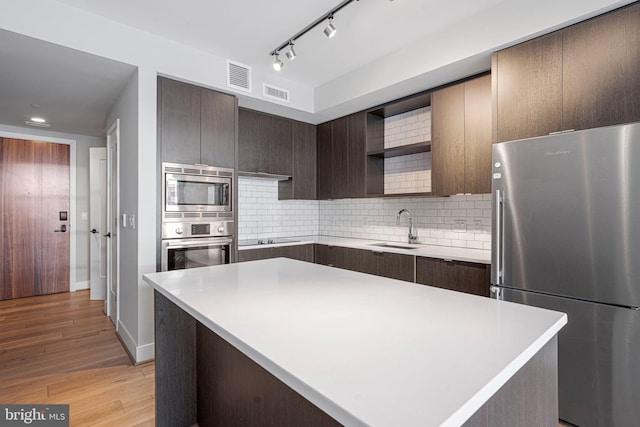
(479, 256)
(365, 349)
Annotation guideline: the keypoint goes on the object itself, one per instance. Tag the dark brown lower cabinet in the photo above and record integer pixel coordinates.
(459, 276)
(299, 252)
(394, 266)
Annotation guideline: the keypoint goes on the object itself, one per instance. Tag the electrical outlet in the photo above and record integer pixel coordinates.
(460, 225)
(132, 221)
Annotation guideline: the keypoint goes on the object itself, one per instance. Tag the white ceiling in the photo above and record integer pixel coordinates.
(76, 90)
(248, 30)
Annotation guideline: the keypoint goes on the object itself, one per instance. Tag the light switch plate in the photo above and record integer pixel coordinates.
(124, 221)
(84, 216)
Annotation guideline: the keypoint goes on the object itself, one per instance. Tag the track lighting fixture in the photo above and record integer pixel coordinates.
(291, 54)
(277, 63)
(329, 31)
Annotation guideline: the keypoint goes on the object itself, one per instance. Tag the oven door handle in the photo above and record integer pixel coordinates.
(179, 245)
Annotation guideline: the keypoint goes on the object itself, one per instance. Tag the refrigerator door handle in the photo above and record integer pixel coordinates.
(499, 236)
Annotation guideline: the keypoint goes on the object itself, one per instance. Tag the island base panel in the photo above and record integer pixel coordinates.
(201, 378)
(175, 364)
(529, 398)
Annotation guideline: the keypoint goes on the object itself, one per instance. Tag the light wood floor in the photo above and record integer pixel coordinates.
(62, 349)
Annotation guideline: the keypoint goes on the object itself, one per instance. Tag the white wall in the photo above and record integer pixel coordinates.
(83, 143)
(126, 109)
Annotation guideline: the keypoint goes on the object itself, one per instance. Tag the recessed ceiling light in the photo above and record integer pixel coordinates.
(38, 120)
(37, 124)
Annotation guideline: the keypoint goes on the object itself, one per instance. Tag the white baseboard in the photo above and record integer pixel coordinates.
(126, 338)
(141, 353)
(85, 284)
(145, 352)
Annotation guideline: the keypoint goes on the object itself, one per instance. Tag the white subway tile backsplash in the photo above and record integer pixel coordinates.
(261, 215)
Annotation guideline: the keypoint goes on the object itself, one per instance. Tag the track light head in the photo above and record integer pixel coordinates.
(330, 30)
(291, 54)
(277, 63)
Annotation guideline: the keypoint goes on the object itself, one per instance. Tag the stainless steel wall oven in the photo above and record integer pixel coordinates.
(191, 245)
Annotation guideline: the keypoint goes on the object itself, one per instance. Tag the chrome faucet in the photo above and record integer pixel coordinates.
(411, 237)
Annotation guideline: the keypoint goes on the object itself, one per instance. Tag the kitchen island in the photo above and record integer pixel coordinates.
(288, 343)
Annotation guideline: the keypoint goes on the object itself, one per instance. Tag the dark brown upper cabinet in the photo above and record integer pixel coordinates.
(264, 143)
(529, 88)
(357, 154)
(447, 140)
(218, 118)
(342, 157)
(325, 161)
(195, 124)
(477, 135)
(303, 184)
(601, 69)
(461, 138)
(580, 77)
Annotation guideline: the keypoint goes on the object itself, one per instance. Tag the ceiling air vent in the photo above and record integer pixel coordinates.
(238, 76)
(275, 93)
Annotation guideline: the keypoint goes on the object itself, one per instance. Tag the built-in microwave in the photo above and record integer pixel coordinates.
(196, 192)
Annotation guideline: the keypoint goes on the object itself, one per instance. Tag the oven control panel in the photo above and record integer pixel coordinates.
(184, 230)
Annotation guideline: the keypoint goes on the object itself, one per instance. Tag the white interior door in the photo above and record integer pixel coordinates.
(98, 222)
(111, 233)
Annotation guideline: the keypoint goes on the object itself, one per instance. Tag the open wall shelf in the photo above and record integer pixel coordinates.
(403, 150)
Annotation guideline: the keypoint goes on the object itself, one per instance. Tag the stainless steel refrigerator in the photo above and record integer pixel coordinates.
(566, 236)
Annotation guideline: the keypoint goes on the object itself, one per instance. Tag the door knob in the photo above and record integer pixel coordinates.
(94, 231)
(107, 235)
(63, 229)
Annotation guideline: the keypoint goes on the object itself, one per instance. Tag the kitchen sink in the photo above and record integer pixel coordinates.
(396, 245)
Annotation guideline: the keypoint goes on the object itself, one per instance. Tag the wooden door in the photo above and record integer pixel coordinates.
(447, 146)
(34, 257)
(601, 65)
(477, 135)
(217, 128)
(529, 88)
(179, 121)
